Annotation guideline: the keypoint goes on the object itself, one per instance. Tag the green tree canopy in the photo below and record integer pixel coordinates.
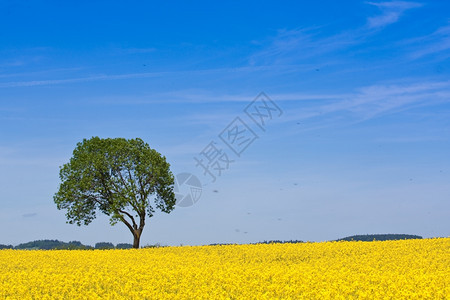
(124, 179)
(104, 245)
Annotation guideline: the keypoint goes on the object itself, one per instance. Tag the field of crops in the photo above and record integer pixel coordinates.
(407, 269)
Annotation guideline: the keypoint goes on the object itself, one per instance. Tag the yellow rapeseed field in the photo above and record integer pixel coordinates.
(407, 269)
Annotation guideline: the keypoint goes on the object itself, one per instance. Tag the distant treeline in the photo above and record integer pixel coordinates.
(76, 245)
(264, 242)
(280, 242)
(380, 237)
(366, 238)
(55, 245)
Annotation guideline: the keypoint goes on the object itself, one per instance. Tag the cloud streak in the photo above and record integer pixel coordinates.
(377, 100)
(325, 110)
(292, 46)
(30, 215)
(79, 79)
(391, 12)
(437, 42)
(104, 77)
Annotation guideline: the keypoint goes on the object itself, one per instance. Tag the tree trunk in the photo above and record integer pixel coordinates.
(137, 237)
(137, 232)
(136, 242)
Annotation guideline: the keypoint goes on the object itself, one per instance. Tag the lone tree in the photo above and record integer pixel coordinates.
(118, 177)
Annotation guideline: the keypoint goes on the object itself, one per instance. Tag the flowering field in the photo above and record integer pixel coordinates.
(408, 269)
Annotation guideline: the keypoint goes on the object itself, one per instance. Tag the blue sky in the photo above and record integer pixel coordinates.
(362, 145)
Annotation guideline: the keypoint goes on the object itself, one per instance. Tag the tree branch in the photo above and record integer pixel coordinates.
(142, 220)
(133, 199)
(127, 224)
(123, 180)
(130, 216)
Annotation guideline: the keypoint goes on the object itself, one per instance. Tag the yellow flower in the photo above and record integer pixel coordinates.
(407, 269)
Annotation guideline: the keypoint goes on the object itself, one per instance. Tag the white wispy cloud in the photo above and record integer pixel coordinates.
(377, 100)
(368, 102)
(46, 72)
(79, 79)
(298, 45)
(29, 215)
(104, 77)
(436, 42)
(364, 102)
(292, 46)
(200, 96)
(391, 12)
(322, 110)
(136, 50)
(13, 58)
(13, 63)
(410, 139)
